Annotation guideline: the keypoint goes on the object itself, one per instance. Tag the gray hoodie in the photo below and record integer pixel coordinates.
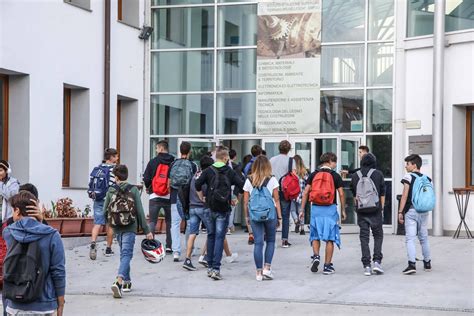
(8, 188)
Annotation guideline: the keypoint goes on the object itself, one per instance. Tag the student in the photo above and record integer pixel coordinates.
(302, 173)
(321, 189)
(368, 188)
(219, 178)
(238, 169)
(97, 193)
(160, 199)
(361, 152)
(181, 172)
(125, 229)
(256, 151)
(264, 231)
(27, 230)
(280, 166)
(416, 222)
(198, 212)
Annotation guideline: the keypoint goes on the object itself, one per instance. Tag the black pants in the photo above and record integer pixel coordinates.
(367, 222)
(154, 210)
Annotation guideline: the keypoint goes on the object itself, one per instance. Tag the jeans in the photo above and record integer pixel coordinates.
(99, 213)
(196, 216)
(367, 222)
(176, 217)
(285, 214)
(154, 210)
(416, 224)
(126, 242)
(295, 209)
(215, 238)
(263, 230)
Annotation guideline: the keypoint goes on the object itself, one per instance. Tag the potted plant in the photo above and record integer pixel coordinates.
(88, 223)
(65, 217)
(52, 217)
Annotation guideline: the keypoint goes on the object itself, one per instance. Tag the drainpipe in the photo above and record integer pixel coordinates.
(107, 75)
(438, 97)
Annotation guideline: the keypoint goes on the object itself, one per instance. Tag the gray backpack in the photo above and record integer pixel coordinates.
(367, 195)
(181, 173)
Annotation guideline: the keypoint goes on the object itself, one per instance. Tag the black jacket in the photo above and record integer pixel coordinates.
(150, 170)
(369, 162)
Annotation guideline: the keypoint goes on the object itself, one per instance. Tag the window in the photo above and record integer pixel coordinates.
(469, 147)
(236, 69)
(381, 147)
(379, 110)
(128, 12)
(343, 20)
(236, 113)
(66, 136)
(238, 25)
(380, 64)
(341, 111)
(342, 66)
(83, 4)
(381, 20)
(4, 117)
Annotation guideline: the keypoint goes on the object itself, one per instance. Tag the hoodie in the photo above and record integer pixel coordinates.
(150, 171)
(53, 260)
(8, 188)
(369, 162)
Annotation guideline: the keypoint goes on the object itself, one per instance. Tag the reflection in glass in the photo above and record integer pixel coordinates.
(351, 218)
(459, 15)
(325, 145)
(303, 149)
(271, 149)
(349, 159)
(380, 70)
(176, 2)
(343, 20)
(381, 20)
(237, 69)
(341, 111)
(182, 114)
(182, 71)
(387, 210)
(381, 147)
(183, 28)
(236, 113)
(342, 66)
(237, 25)
(379, 110)
(172, 146)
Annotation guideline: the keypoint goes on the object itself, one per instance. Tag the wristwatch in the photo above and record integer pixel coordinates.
(279, 218)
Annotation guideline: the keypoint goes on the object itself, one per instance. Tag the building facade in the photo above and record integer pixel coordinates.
(195, 80)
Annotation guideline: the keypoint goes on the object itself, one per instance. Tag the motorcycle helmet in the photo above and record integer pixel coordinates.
(153, 250)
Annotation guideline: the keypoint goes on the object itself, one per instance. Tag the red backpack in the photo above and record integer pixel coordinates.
(290, 184)
(160, 182)
(322, 189)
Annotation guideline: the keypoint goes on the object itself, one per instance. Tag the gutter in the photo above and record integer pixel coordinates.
(107, 75)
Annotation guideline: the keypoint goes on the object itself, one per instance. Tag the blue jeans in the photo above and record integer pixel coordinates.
(196, 215)
(215, 238)
(416, 225)
(176, 217)
(295, 211)
(126, 242)
(263, 230)
(285, 215)
(99, 214)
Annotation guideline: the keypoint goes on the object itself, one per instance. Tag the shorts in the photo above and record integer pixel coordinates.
(99, 213)
(324, 224)
(196, 215)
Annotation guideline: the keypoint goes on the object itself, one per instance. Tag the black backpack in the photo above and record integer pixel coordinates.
(23, 275)
(219, 191)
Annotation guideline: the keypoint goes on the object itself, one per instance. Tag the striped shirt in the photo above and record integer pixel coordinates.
(111, 169)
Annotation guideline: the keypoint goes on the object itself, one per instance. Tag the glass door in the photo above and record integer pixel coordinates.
(199, 147)
(270, 145)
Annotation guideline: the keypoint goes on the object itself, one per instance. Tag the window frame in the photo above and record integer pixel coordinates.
(119, 10)
(66, 137)
(5, 110)
(119, 127)
(469, 138)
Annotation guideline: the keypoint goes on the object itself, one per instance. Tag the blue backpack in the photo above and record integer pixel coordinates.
(99, 182)
(423, 197)
(261, 205)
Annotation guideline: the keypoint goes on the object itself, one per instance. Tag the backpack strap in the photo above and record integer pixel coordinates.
(359, 174)
(265, 183)
(371, 171)
(290, 165)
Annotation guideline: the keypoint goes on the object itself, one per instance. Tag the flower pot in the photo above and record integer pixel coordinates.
(71, 227)
(87, 226)
(56, 223)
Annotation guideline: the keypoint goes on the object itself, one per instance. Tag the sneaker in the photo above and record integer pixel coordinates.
(411, 269)
(209, 272)
(329, 269)
(176, 256)
(93, 251)
(259, 277)
(251, 240)
(216, 275)
(297, 228)
(285, 244)
(267, 274)
(231, 258)
(168, 250)
(117, 290)
(202, 261)
(108, 252)
(315, 263)
(368, 271)
(127, 287)
(229, 232)
(427, 265)
(378, 268)
(188, 265)
(302, 230)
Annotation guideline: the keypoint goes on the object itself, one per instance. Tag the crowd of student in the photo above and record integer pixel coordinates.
(272, 191)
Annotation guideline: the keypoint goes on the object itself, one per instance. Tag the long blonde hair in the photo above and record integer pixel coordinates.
(261, 170)
(301, 170)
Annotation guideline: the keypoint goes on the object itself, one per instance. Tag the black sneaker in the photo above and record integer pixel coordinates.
(93, 251)
(302, 230)
(216, 275)
(109, 252)
(127, 287)
(168, 250)
(427, 265)
(297, 228)
(116, 290)
(329, 269)
(411, 269)
(188, 265)
(285, 244)
(315, 263)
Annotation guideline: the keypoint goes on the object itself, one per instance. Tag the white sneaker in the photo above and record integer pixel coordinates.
(368, 271)
(378, 268)
(176, 257)
(259, 277)
(268, 274)
(231, 258)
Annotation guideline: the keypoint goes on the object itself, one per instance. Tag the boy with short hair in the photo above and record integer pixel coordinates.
(111, 158)
(324, 223)
(219, 179)
(416, 223)
(125, 232)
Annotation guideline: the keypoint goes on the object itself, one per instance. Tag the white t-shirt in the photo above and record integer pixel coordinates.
(272, 185)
